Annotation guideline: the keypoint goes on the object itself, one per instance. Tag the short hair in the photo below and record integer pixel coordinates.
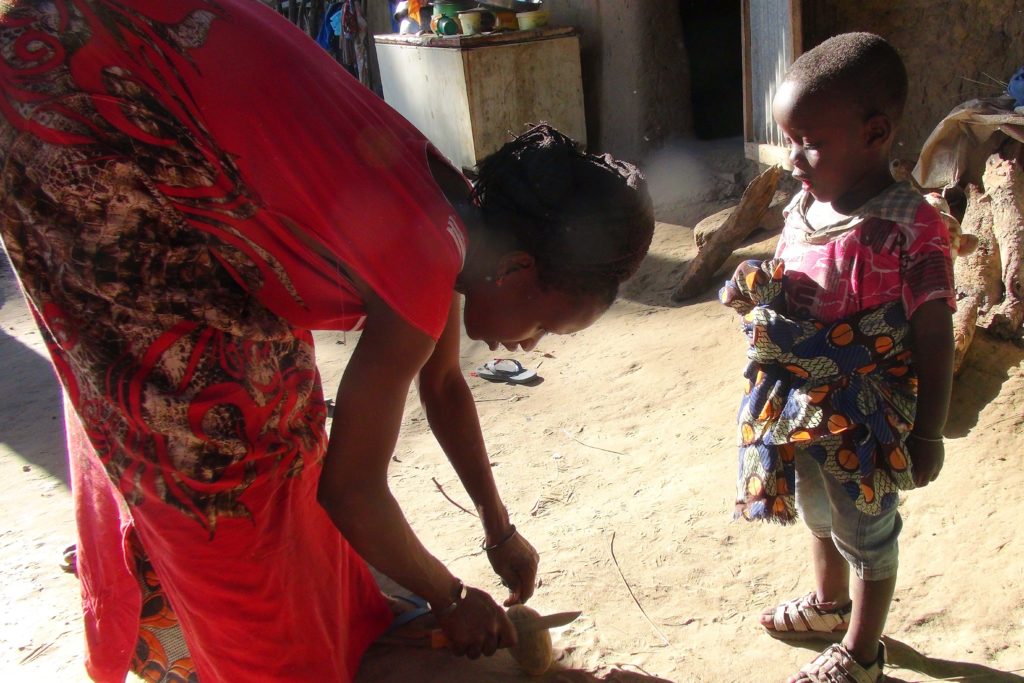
(861, 67)
(586, 219)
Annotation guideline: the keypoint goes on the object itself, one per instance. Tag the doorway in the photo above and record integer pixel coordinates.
(711, 32)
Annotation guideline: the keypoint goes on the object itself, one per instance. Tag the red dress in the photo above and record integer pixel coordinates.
(159, 160)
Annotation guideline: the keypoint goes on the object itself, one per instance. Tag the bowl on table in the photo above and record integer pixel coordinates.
(531, 20)
(477, 21)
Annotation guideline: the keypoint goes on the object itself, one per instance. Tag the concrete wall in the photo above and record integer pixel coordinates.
(636, 84)
(952, 48)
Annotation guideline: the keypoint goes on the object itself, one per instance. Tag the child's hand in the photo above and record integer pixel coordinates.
(927, 455)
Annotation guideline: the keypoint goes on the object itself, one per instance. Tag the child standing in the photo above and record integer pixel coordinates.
(851, 349)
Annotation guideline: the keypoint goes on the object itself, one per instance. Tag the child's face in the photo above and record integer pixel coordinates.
(835, 153)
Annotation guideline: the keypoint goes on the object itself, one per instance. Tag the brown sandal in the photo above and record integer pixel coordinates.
(837, 665)
(804, 618)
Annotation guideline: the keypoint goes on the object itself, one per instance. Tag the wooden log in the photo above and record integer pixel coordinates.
(707, 227)
(977, 276)
(965, 324)
(1004, 185)
(722, 242)
(771, 221)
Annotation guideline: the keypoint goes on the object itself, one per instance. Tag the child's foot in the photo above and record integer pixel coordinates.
(837, 665)
(805, 618)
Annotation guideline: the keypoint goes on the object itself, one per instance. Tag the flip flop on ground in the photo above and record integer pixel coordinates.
(506, 370)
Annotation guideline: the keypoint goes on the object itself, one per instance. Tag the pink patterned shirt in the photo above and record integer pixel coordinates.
(895, 247)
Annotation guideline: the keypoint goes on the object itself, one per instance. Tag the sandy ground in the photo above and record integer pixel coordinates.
(619, 468)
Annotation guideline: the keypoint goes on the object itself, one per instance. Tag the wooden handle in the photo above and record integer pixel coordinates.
(438, 639)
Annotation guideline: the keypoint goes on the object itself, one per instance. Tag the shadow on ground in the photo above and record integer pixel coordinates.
(398, 664)
(654, 281)
(29, 387)
(985, 370)
(660, 274)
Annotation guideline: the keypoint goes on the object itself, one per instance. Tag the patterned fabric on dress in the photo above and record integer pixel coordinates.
(161, 655)
(844, 392)
(177, 237)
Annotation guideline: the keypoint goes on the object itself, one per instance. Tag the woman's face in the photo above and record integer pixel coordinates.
(514, 311)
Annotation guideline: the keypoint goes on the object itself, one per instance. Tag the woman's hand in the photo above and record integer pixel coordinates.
(451, 413)
(515, 561)
(927, 455)
(477, 626)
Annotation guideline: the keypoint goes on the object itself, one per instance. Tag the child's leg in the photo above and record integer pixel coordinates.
(869, 545)
(871, 600)
(814, 505)
(831, 569)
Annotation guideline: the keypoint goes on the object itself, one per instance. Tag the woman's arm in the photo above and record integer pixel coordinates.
(932, 338)
(353, 486)
(451, 413)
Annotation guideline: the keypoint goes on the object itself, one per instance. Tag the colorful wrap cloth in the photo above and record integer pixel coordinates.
(846, 393)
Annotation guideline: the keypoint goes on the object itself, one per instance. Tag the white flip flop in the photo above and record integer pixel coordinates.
(506, 370)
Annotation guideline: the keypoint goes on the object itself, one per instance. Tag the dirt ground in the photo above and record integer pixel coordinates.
(619, 468)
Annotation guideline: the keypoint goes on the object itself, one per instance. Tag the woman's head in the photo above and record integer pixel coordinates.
(563, 229)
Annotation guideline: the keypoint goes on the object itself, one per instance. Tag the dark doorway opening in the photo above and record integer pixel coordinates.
(711, 32)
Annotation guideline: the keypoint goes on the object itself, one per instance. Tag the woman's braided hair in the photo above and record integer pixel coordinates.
(587, 220)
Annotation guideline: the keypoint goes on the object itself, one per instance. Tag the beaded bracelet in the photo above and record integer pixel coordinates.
(500, 543)
(926, 438)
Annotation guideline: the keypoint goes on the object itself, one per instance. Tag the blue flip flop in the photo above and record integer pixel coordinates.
(419, 609)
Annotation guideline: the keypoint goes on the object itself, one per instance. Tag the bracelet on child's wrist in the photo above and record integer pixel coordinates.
(929, 439)
(500, 543)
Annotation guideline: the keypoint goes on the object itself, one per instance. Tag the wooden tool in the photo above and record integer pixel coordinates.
(533, 652)
(524, 623)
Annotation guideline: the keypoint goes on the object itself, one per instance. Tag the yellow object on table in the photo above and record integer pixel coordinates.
(531, 20)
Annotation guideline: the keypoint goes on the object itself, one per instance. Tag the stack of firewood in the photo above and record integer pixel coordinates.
(990, 281)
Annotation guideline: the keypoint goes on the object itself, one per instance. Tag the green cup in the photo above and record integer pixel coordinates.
(446, 26)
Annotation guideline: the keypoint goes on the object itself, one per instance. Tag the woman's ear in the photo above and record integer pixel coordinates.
(512, 262)
(878, 130)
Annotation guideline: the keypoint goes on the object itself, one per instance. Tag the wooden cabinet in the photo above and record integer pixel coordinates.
(471, 94)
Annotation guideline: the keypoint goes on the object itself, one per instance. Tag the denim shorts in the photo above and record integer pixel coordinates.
(868, 542)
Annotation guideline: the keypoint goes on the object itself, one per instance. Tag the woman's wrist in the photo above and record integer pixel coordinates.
(456, 593)
(496, 523)
(488, 545)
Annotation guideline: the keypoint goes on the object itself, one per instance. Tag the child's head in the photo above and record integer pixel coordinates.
(838, 107)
